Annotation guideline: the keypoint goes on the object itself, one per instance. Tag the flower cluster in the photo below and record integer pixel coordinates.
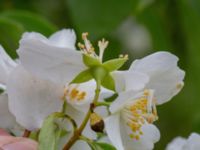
(72, 98)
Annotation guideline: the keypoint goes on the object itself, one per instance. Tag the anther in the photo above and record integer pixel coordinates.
(81, 46)
(84, 35)
(123, 56)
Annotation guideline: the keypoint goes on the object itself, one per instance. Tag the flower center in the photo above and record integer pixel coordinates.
(87, 47)
(73, 94)
(138, 112)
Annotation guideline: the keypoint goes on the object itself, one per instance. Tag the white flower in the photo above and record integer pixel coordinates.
(152, 80)
(32, 99)
(6, 66)
(60, 65)
(130, 125)
(81, 95)
(179, 143)
(166, 78)
(56, 59)
(29, 99)
(7, 120)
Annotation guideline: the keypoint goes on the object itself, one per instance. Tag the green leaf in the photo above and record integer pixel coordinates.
(108, 82)
(83, 77)
(111, 98)
(31, 21)
(50, 133)
(14, 23)
(114, 64)
(90, 61)
(11, 32)
(101, 146)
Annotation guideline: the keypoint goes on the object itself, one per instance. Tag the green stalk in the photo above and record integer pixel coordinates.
(79, 131)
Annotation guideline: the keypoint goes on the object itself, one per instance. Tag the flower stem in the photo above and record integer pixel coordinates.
(26, 133)
(79, 131)
(73, 122)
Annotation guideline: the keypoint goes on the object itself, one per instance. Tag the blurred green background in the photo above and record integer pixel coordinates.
(135, 27)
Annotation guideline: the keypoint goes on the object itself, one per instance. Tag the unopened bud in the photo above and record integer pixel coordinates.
(96, 122)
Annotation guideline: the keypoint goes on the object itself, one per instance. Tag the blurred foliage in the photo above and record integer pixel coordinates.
(98, 17)
(171, 25)
(14, 23)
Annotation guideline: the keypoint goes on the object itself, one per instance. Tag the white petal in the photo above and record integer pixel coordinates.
(176, 144)
(151, 133)
(167, 85)
(130, 80)
(102, 111)
(146, 142)
(193, 142)
(119, 80)
(89, 89)
(135, 80)
(32, 99)
(112, 126)
(154, 62)
(64, 38)
(88, 132)
(7, 120)
(165, 76)
(6, 66)
(34, 35)
(123, 99)
(105, 93)
(78, 116)
(81, 104)
(60, 65)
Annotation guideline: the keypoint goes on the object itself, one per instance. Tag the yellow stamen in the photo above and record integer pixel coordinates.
(139, 112)
(81, 96)
(74, 93)
(84, 35)
(123, 56)
(87, 46)
(81, 46)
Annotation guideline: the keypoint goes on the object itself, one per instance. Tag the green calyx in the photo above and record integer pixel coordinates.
(101, 72)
